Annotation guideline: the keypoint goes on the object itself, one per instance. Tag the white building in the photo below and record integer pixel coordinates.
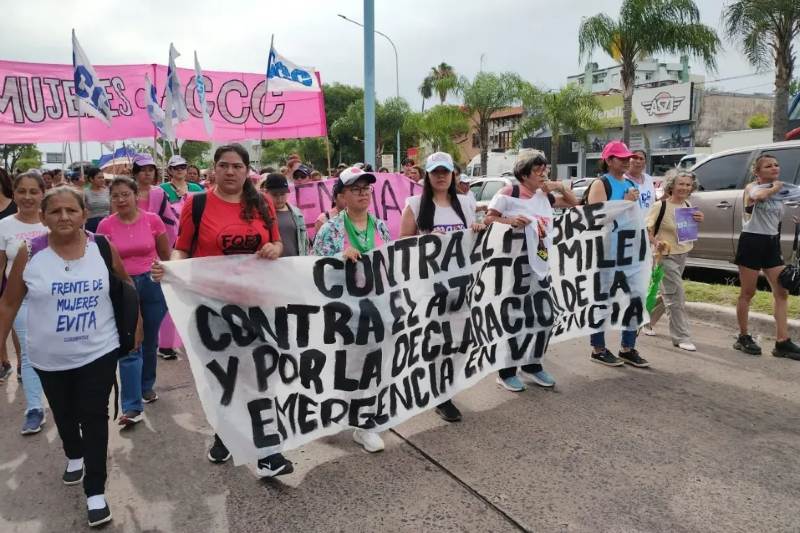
(649, 73)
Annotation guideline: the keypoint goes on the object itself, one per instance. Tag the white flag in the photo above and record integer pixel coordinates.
(154, 110)
(90, 96)
(175, 106)
(283, 75)
(201, 95)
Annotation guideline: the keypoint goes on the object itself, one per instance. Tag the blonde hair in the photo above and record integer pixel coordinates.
(756, 166)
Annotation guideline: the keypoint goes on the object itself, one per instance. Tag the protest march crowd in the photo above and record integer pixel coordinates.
(73, 247)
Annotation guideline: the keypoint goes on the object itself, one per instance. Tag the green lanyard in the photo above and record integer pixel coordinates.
(361, 240)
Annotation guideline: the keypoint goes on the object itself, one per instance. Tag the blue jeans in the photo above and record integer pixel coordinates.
(137, 370)
(30, 379)
(598, 340)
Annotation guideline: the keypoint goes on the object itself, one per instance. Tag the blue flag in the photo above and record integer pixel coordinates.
(90, 96)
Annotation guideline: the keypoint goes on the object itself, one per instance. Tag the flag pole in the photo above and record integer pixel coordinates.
(80, 140)
(328, 151)
(266, 95)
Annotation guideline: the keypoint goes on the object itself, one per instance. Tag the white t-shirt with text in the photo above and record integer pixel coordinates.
(13, 233)
(445, 218)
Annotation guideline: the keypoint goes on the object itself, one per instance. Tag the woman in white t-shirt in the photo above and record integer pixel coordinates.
(16, 229)
(439, 209)
(530, 202)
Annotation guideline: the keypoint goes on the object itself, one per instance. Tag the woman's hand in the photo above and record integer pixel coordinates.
(478, 227)
(632, 194)
(352, 255)
(271, 251)
(156, 271)
(698, 216)
(518, 221)
(553, 186)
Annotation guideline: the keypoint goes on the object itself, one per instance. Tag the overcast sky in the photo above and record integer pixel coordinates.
(535, 38)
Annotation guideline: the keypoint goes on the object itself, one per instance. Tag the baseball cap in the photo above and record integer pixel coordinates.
(351, 175)
(143, 160)
(176, 160)
(303, 170)
(276, 183)
(439, 159)
(616, 149)
(463, 178)
(337, 188)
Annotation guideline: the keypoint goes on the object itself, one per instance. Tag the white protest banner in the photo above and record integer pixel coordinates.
(284, 352)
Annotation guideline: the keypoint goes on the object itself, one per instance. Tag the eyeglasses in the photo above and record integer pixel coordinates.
(121, 195)
(179, 167)
(360, 191)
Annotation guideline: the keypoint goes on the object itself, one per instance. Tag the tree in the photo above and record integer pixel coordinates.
(758, 121)
(311, 150)
(765, 30)
(196, 152)
(646, 28)
(486, 94)
(390, 116)
(441, 80)
(439, 126)
(794, 87)
(29, 157)
(10, 154)
(571, 109)
(338, 99)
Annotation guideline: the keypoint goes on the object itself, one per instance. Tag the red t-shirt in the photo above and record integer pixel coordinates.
(222, 230)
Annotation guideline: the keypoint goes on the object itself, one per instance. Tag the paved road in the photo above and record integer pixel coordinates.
(701, 442)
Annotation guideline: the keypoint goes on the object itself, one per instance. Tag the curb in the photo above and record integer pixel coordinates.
(759, 323)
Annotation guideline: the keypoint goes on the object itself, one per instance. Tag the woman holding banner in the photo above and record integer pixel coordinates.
(353, 232)
(140, 238)
(439, 209)
(59, 274)
(26, 224)
(531, 201)
(615, 161)
(246, 219)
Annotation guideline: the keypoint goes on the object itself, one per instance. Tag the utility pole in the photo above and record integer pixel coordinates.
(369, 82)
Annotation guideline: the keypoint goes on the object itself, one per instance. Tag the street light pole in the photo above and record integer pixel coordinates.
(369, 82)
(396, 73)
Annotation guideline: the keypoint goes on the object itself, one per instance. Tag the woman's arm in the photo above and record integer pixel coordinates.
(3, 260)
(759, 194)
(119, 268)
(408, 224)
(13, 295)
(596, 193)
(565, 198)
(493, 215)
(162, 247)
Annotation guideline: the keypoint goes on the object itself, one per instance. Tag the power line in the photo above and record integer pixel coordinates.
(734, 77)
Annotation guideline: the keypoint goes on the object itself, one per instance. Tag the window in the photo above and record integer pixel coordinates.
(476, 140)
(475, 189)
(648, 76)
(789, 160)
(491, 189)
(504, 139)
(723, 172)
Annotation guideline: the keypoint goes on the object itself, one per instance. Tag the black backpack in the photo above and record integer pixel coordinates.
(198, 206)
(124, 300)
(606, 186)
(660, 217)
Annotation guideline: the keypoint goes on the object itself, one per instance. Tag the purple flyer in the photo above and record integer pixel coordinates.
(686, 226)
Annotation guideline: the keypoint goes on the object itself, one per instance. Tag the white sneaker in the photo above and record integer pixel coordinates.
(688, 346)
(647, 330)
(371, 442)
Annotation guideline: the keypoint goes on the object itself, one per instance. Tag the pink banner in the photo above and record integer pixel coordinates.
(36, 105)
(388, 199)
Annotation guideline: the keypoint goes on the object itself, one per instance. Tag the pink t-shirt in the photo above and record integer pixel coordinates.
(136, 243)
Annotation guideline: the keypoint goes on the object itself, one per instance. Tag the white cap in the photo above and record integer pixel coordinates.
(351, 175)
(176, 160)
(439, 159)
(463, 178)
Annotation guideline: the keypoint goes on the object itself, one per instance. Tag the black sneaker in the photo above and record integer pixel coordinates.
(448, 411)
(632, 357)
(606, 358)
(5, 370)
(787, 349)
(167, 353)
(746, 344)
(274, 465)
(73, 478)
(98, 517)
(218, 452)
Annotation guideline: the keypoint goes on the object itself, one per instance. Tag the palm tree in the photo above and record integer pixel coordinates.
(572, 109)
(486, 94)
(442, 79)
(765, 29)
(645, 28)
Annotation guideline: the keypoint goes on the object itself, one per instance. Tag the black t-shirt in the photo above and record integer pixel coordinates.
(10, 209)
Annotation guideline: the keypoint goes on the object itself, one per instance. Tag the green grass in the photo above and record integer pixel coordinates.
(728, 294)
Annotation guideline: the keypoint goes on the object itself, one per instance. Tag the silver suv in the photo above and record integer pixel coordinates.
(722, 178)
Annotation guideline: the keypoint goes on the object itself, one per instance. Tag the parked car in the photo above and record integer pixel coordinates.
(722, 178)
(484, 189)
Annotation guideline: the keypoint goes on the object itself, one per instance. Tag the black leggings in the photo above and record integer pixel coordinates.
(78, 399)
(512, 370)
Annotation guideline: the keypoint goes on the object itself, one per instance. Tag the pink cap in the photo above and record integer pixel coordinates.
(616, 149)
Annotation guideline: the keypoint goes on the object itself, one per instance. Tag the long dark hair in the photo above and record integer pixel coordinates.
(5, 184)
(427, 208)
(252, 200)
